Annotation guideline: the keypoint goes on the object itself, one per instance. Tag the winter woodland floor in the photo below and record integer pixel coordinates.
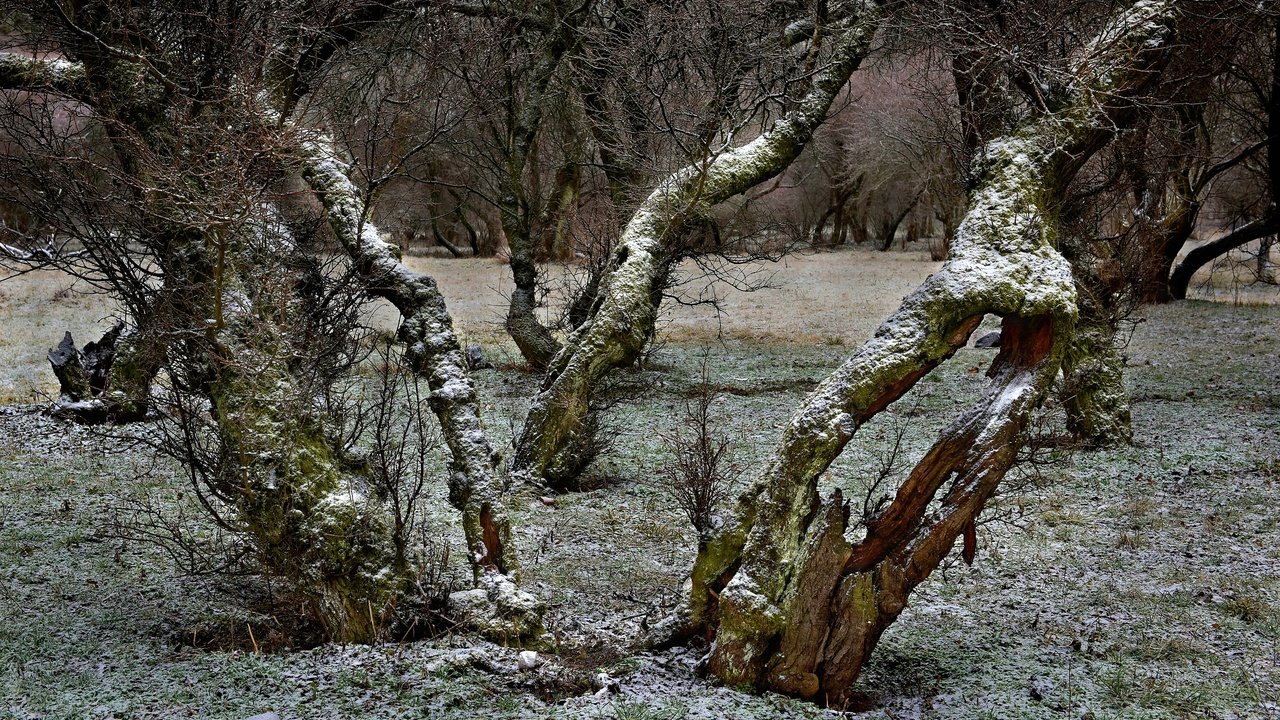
(1138, 582)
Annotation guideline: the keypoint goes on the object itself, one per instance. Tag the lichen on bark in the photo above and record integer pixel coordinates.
(432, 349)
(621, 322)
(305, 508)
(753, 584)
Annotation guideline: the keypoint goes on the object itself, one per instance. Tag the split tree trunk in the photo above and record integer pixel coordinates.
(792, 604)
(559, 425)
(108, 381)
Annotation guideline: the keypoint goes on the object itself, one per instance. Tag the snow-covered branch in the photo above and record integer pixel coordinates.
(61, 77)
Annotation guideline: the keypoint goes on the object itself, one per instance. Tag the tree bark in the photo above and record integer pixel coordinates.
(1263, 268)
(519, 215)
(559, 422)
(291, 490)
(1093, 392)
(781, 565)
(271, 460)
(432, 348)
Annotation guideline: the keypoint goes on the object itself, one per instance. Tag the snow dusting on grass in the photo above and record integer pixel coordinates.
(1136, 582)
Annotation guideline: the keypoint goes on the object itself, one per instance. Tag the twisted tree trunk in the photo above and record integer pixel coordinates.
(432, 348)
(252, 435)
(792, 604)
(557, 430)
(303, 506)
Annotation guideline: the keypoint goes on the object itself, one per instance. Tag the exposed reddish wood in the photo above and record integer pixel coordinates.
(860, 619)
(492, 539)
(970, 542)
(1024, 342)
(894, 525)
(794, 670)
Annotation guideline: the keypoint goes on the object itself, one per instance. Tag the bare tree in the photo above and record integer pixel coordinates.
(1258, 110)
(622, 320)
(188, 129)
(792, 604)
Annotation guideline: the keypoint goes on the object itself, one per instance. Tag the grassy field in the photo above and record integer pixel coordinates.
(1137, 582)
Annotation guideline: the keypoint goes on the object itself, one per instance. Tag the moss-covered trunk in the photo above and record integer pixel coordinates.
(249, 428)
(792, 604)
(1093, 392)
(308, 515)
(560, 422)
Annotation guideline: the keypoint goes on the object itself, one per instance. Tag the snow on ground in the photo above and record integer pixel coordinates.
(1136, 582)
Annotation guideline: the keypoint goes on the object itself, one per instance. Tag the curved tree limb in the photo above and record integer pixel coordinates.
(1180, 280)
(536, 342)
(433, 351)
(497, 607)
(622, 320)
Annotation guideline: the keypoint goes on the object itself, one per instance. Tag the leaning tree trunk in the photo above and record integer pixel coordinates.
(792, 604)
(432, 348)
(251, 435)
(560, 422)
